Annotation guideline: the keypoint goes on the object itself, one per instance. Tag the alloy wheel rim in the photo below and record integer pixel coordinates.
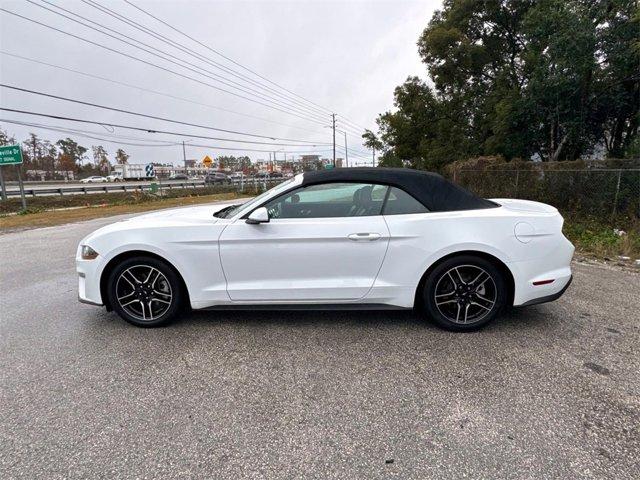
(144, 292)
(465, 294)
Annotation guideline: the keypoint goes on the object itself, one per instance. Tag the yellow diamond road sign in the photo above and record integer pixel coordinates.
(207, 161)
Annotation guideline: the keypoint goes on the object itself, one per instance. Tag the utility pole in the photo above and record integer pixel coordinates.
(346, 152)
(4, 189)
(374, 157)
(184, 157)
(333, 122)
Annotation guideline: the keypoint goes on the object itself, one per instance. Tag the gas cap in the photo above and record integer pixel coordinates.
(524, 232)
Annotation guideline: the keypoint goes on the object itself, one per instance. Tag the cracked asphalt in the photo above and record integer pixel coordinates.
(550, 391)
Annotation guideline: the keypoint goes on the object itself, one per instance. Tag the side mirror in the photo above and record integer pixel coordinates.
(259, 215)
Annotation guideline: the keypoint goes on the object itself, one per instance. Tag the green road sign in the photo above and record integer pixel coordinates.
(10, 155)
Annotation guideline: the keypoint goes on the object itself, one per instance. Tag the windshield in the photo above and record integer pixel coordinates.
(234, 209)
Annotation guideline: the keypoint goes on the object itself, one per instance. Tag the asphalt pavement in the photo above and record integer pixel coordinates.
(550, 391)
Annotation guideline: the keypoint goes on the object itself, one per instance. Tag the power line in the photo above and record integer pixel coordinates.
(80, 133)
(154, 65)
(153, 117)
(224, 56)
(187, 50)
(160, 143)
(172, 58)
(326, 110)
(354, 153)
(155, 92)
(150, 130)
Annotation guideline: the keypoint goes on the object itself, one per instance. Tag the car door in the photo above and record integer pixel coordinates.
(322, 243)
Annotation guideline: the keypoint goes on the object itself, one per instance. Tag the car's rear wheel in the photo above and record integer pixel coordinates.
(464, 293)
(145, 291)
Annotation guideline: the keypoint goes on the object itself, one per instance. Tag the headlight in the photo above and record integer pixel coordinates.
(88, 253)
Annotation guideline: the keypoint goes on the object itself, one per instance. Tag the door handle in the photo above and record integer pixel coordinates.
(363, 237)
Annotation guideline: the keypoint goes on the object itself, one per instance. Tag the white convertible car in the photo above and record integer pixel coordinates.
(358, 238)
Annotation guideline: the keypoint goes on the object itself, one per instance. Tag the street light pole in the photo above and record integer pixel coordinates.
(346, 152)
(184, 157)
(333, 118)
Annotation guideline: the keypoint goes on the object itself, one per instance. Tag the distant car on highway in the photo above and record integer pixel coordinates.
(352, 238)
(114, 177)
(94, 179)
(216, 178)
(276, 175)
(179, 176)
(236, 176)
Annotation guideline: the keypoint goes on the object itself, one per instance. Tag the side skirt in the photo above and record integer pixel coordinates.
(309, 306)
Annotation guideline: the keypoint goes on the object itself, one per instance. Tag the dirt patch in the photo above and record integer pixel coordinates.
(58, 217)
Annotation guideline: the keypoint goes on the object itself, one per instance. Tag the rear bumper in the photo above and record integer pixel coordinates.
(544, 278)
(548, 298)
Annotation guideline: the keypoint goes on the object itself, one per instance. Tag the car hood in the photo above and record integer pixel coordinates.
(195, 214)
(174, 217)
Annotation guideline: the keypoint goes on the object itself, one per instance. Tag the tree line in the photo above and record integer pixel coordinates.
(532, 79)
(57, 159)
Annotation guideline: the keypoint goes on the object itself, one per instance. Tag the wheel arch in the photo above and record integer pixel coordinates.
(106, 271)
(499, 264)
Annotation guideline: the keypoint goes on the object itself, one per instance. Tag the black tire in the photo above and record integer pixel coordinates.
(165, 296)
(457, 295)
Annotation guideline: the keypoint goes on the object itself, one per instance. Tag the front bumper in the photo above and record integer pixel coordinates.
(89, 272)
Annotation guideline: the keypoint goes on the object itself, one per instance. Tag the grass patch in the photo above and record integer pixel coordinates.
(595, 237)
(39, 218)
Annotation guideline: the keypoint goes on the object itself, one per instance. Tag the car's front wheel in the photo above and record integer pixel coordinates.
(464, 293)
(145, 291)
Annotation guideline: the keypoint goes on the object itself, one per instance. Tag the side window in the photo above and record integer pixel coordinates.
(400, 202)
(329, 200)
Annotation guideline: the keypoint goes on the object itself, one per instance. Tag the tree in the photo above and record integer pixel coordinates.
(6, 139)
(72, 150)
(121, 157)
(66, 163)
(49, 157)
(100, 158)
(243, 163)
(547, 78)
(33, 149)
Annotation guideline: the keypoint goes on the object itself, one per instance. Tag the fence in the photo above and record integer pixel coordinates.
(606, 193)
(235, 184)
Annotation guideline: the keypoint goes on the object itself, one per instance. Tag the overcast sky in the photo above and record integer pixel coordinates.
(345, 56)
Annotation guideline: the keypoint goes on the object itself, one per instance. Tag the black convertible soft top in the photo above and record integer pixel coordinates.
(432, 190)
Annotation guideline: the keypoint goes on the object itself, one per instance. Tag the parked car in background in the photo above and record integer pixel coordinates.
(261, 175)
(114, 177)
(94, 179)
(236, 176)
(216, 178)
